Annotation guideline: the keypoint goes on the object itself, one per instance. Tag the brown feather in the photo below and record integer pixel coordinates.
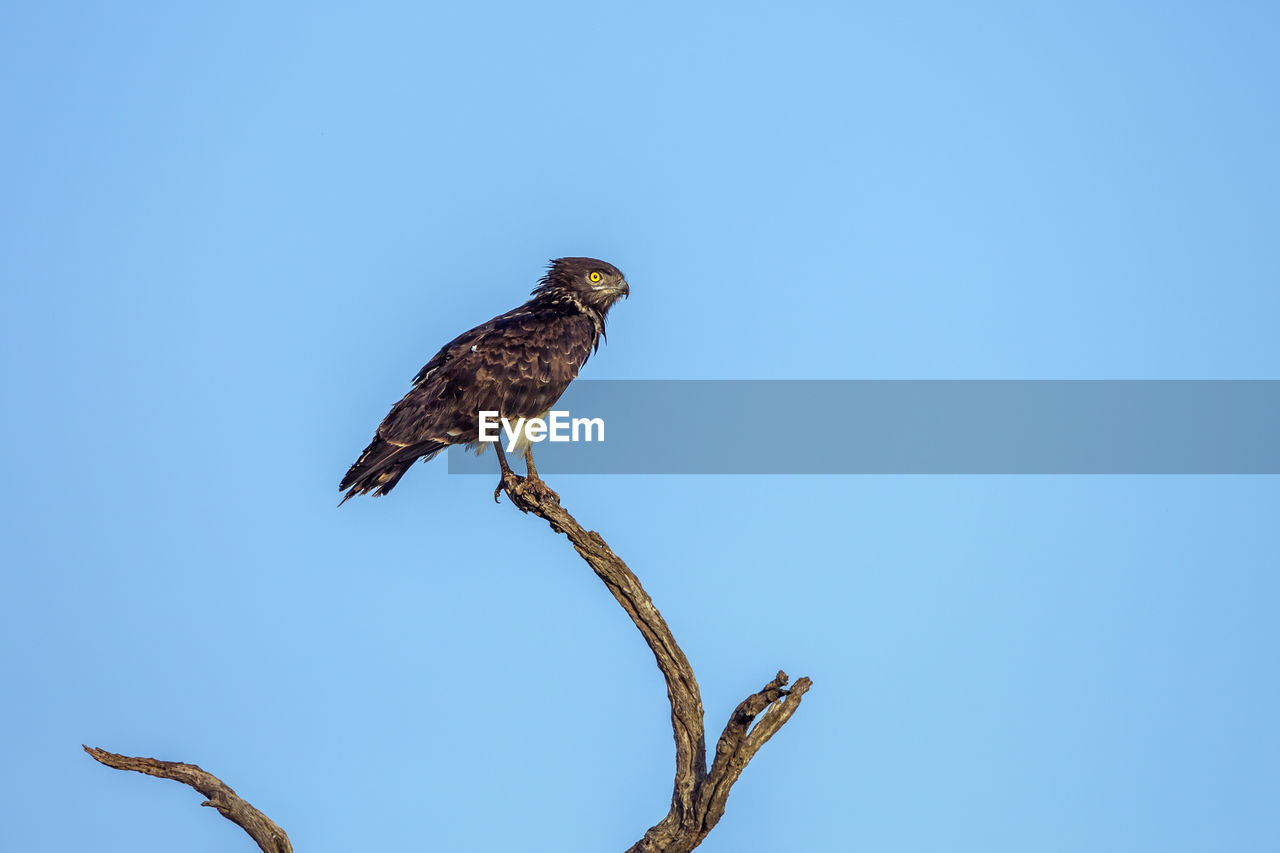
(518, 364)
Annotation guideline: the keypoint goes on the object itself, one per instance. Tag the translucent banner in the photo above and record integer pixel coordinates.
(905, 427)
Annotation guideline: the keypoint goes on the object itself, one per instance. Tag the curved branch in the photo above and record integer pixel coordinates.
(698, 797)
(262, 829)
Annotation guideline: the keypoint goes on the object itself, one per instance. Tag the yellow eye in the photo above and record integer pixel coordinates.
(595, 276)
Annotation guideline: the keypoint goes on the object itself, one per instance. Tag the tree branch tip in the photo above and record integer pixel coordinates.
(99, 755)
(779, 681)
(796, 691)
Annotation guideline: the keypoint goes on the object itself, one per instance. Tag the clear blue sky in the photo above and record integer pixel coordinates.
(230, 236)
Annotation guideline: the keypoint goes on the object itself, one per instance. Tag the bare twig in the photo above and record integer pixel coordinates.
(262, 829)
(698, 797)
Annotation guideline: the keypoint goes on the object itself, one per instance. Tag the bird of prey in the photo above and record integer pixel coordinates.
(517, 364)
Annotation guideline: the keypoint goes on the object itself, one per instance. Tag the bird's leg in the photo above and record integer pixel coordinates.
(507, 473)
(518, 488)
(534, 480)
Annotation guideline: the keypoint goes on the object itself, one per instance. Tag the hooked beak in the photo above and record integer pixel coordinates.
(614, 290)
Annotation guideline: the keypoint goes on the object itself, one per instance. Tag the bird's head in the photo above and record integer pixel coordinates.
(596, 283)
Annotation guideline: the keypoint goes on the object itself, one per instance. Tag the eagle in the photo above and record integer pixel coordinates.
(517, 364)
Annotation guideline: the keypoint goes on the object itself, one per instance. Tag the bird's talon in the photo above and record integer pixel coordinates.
(516, 488)
(536, 485)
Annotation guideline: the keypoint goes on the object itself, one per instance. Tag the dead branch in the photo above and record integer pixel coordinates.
(698, 797)
(262, 829)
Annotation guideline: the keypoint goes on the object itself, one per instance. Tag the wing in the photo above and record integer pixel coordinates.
(517, 364)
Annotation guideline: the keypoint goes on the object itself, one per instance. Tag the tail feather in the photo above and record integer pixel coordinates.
(382, 465)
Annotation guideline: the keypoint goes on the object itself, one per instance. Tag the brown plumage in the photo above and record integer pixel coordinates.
(518, 364)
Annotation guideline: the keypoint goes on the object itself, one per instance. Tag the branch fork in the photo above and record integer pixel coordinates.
(698, 794)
